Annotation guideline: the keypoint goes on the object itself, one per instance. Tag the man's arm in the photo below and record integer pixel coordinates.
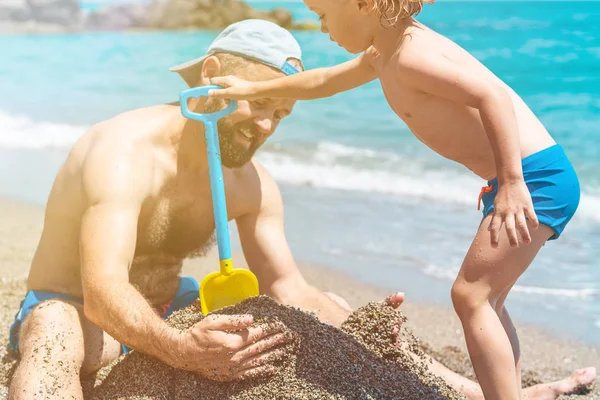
(268, 255)
(115, 182)
(438, 76)
(307, 85)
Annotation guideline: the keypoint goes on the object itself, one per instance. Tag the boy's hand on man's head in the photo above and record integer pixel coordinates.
(234, 88)
(512, 208)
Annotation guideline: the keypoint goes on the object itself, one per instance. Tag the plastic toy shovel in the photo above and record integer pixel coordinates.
(228, 286)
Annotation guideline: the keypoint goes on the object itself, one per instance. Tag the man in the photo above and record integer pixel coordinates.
(130, 203)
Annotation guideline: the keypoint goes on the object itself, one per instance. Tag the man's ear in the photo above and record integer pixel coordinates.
(211, 67)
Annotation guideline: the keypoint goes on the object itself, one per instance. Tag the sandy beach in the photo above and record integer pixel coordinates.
(544, 357)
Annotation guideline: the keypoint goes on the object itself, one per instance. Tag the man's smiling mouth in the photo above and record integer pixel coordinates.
(247, 135)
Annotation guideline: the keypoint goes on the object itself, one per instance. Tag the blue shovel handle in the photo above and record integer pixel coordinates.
(202, 91)
(214, 163)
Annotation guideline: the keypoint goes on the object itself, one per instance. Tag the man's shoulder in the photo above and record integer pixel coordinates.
(256, 175)
(259, 187)
(125, 145)
(133, 124)
(131, 133)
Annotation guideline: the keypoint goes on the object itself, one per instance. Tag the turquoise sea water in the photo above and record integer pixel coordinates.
(362, 194)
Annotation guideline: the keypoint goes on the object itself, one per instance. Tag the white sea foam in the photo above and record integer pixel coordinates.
(22, 132)
(391, 174)
(595, 51)
(535, 44)
(449, 274)
(512, 23)
(326, 165)
(558, 292)
(324, 170)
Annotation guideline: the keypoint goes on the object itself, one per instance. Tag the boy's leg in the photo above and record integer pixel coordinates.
(511, 332)
(472, 391)
(485, 275)
(544, 391)
(56, 346)
(550, 391)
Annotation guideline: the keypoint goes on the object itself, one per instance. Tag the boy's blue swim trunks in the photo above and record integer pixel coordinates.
(186, 295)
(554, 188)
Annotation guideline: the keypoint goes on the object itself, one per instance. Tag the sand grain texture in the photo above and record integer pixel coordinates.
(545, 355)
(359, 361)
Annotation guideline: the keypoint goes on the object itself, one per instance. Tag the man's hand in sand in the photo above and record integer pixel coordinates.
(228, 347)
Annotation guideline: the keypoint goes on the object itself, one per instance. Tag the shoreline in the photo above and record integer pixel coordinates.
(357, 293)
(26, 30)
(544, 356)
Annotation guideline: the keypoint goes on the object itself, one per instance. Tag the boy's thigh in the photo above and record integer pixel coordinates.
(498, 268)
(57, 330)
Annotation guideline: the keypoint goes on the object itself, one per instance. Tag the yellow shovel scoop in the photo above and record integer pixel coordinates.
(228, 286)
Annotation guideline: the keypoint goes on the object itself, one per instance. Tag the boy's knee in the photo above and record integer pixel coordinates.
(465, 298)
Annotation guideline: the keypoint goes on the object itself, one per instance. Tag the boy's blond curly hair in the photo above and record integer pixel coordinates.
(390, 11)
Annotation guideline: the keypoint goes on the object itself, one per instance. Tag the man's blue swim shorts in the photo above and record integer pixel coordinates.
(186, 295)
(554, 188)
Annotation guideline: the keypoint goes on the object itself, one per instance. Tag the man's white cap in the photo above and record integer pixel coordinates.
(257, 39)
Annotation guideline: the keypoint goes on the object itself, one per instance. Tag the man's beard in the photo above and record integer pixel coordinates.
(233, 153)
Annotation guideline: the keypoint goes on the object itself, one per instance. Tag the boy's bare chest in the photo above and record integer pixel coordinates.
(413, 107)
(404, 101)
(437, 122)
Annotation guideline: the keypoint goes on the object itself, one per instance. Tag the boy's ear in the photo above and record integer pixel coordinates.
(365, 6)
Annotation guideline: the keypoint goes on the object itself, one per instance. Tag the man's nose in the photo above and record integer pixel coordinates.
(324, 28)
(264, 124)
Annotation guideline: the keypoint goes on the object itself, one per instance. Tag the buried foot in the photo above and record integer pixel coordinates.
(579, 382)
(395, 300)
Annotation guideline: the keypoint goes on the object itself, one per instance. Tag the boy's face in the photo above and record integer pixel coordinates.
(346, 21)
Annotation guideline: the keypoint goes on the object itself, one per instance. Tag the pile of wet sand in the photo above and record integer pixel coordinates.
(358, 361)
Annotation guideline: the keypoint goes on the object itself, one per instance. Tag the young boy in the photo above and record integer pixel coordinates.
(461, 110)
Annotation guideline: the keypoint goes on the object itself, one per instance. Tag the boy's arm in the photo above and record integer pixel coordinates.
(438, 76)
(306, 85)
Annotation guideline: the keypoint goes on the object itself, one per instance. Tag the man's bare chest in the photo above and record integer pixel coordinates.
(177, 223)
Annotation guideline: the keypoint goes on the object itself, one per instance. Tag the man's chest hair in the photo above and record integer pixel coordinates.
(176, 223)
